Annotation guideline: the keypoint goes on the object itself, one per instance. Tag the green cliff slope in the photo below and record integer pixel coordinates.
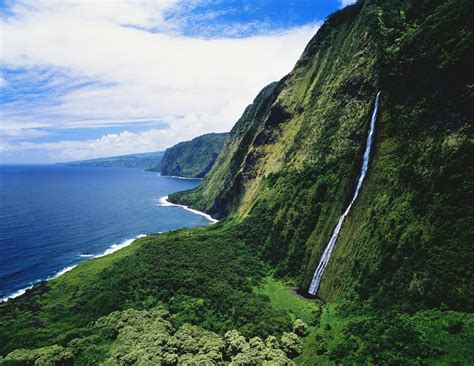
(192, 159)
(407, 237)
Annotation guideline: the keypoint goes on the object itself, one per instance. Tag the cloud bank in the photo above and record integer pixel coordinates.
(90, 63)
(345, 3)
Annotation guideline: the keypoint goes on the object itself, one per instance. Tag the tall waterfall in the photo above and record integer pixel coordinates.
(318, 274)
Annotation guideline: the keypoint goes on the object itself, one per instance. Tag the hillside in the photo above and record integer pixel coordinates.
(291, 161)
(191, 159)
(144, 160)
(398, 289)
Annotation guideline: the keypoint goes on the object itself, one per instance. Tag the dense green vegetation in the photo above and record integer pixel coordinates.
(406, 246)
(407, 241)
(144, 160)
(399, 287)
(191, 159)
(148, 337)
(204, 277)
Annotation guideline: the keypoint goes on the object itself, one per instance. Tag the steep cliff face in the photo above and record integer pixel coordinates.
(191, 159)
(291, 162)
(221, 190)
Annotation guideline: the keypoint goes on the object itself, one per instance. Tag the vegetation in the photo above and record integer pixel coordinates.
(147, 337)
(405, 248)
(145, 160)
(283, 297)
(192, 159)
(398, 289)
(203, 277)
(350, 333)
(402, 243)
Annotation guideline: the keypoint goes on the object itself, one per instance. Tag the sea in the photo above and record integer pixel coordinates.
(53, 217)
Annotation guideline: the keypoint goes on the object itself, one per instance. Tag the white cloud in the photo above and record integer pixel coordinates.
(344, 3)
(21, 133)
(125, 142)
(132, 73)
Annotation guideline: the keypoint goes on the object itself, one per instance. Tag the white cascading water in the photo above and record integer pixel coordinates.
(318, 274)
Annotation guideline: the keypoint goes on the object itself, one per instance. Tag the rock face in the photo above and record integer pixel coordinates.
(192, 159)
(292, 160)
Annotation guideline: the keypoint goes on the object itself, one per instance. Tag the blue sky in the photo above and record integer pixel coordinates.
(85, 79)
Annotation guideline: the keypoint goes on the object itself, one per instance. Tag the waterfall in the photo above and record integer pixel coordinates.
(318, 274)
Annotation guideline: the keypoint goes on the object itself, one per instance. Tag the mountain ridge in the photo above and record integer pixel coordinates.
(140, 160)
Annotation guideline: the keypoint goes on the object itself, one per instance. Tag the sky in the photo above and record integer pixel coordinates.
(83, 79)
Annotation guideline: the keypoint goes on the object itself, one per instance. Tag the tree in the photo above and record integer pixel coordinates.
(300, 328)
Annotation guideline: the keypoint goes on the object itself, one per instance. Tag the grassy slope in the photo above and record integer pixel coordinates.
(202, 276)
(282, 296)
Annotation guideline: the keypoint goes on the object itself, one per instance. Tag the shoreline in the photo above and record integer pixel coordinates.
(178, 177)
(23, 290)
(111, 249)
(165, 203)
(171, 176)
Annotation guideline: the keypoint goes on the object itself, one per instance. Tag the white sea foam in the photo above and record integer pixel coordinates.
(23, 290)
(164, 202)
(113, 248)
(61, 272)
(16, 293)
(177, 177)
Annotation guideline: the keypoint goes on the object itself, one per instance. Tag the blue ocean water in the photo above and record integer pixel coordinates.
(53, 217)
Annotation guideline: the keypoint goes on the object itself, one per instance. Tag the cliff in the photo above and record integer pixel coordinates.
(292, 160)
(191, 159)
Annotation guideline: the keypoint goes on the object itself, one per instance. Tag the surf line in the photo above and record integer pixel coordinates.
(111, 249)
(165, 203)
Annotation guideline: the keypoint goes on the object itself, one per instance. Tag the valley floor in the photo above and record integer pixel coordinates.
(448, 334)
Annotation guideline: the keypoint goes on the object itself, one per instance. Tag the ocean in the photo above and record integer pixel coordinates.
(53, 217)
